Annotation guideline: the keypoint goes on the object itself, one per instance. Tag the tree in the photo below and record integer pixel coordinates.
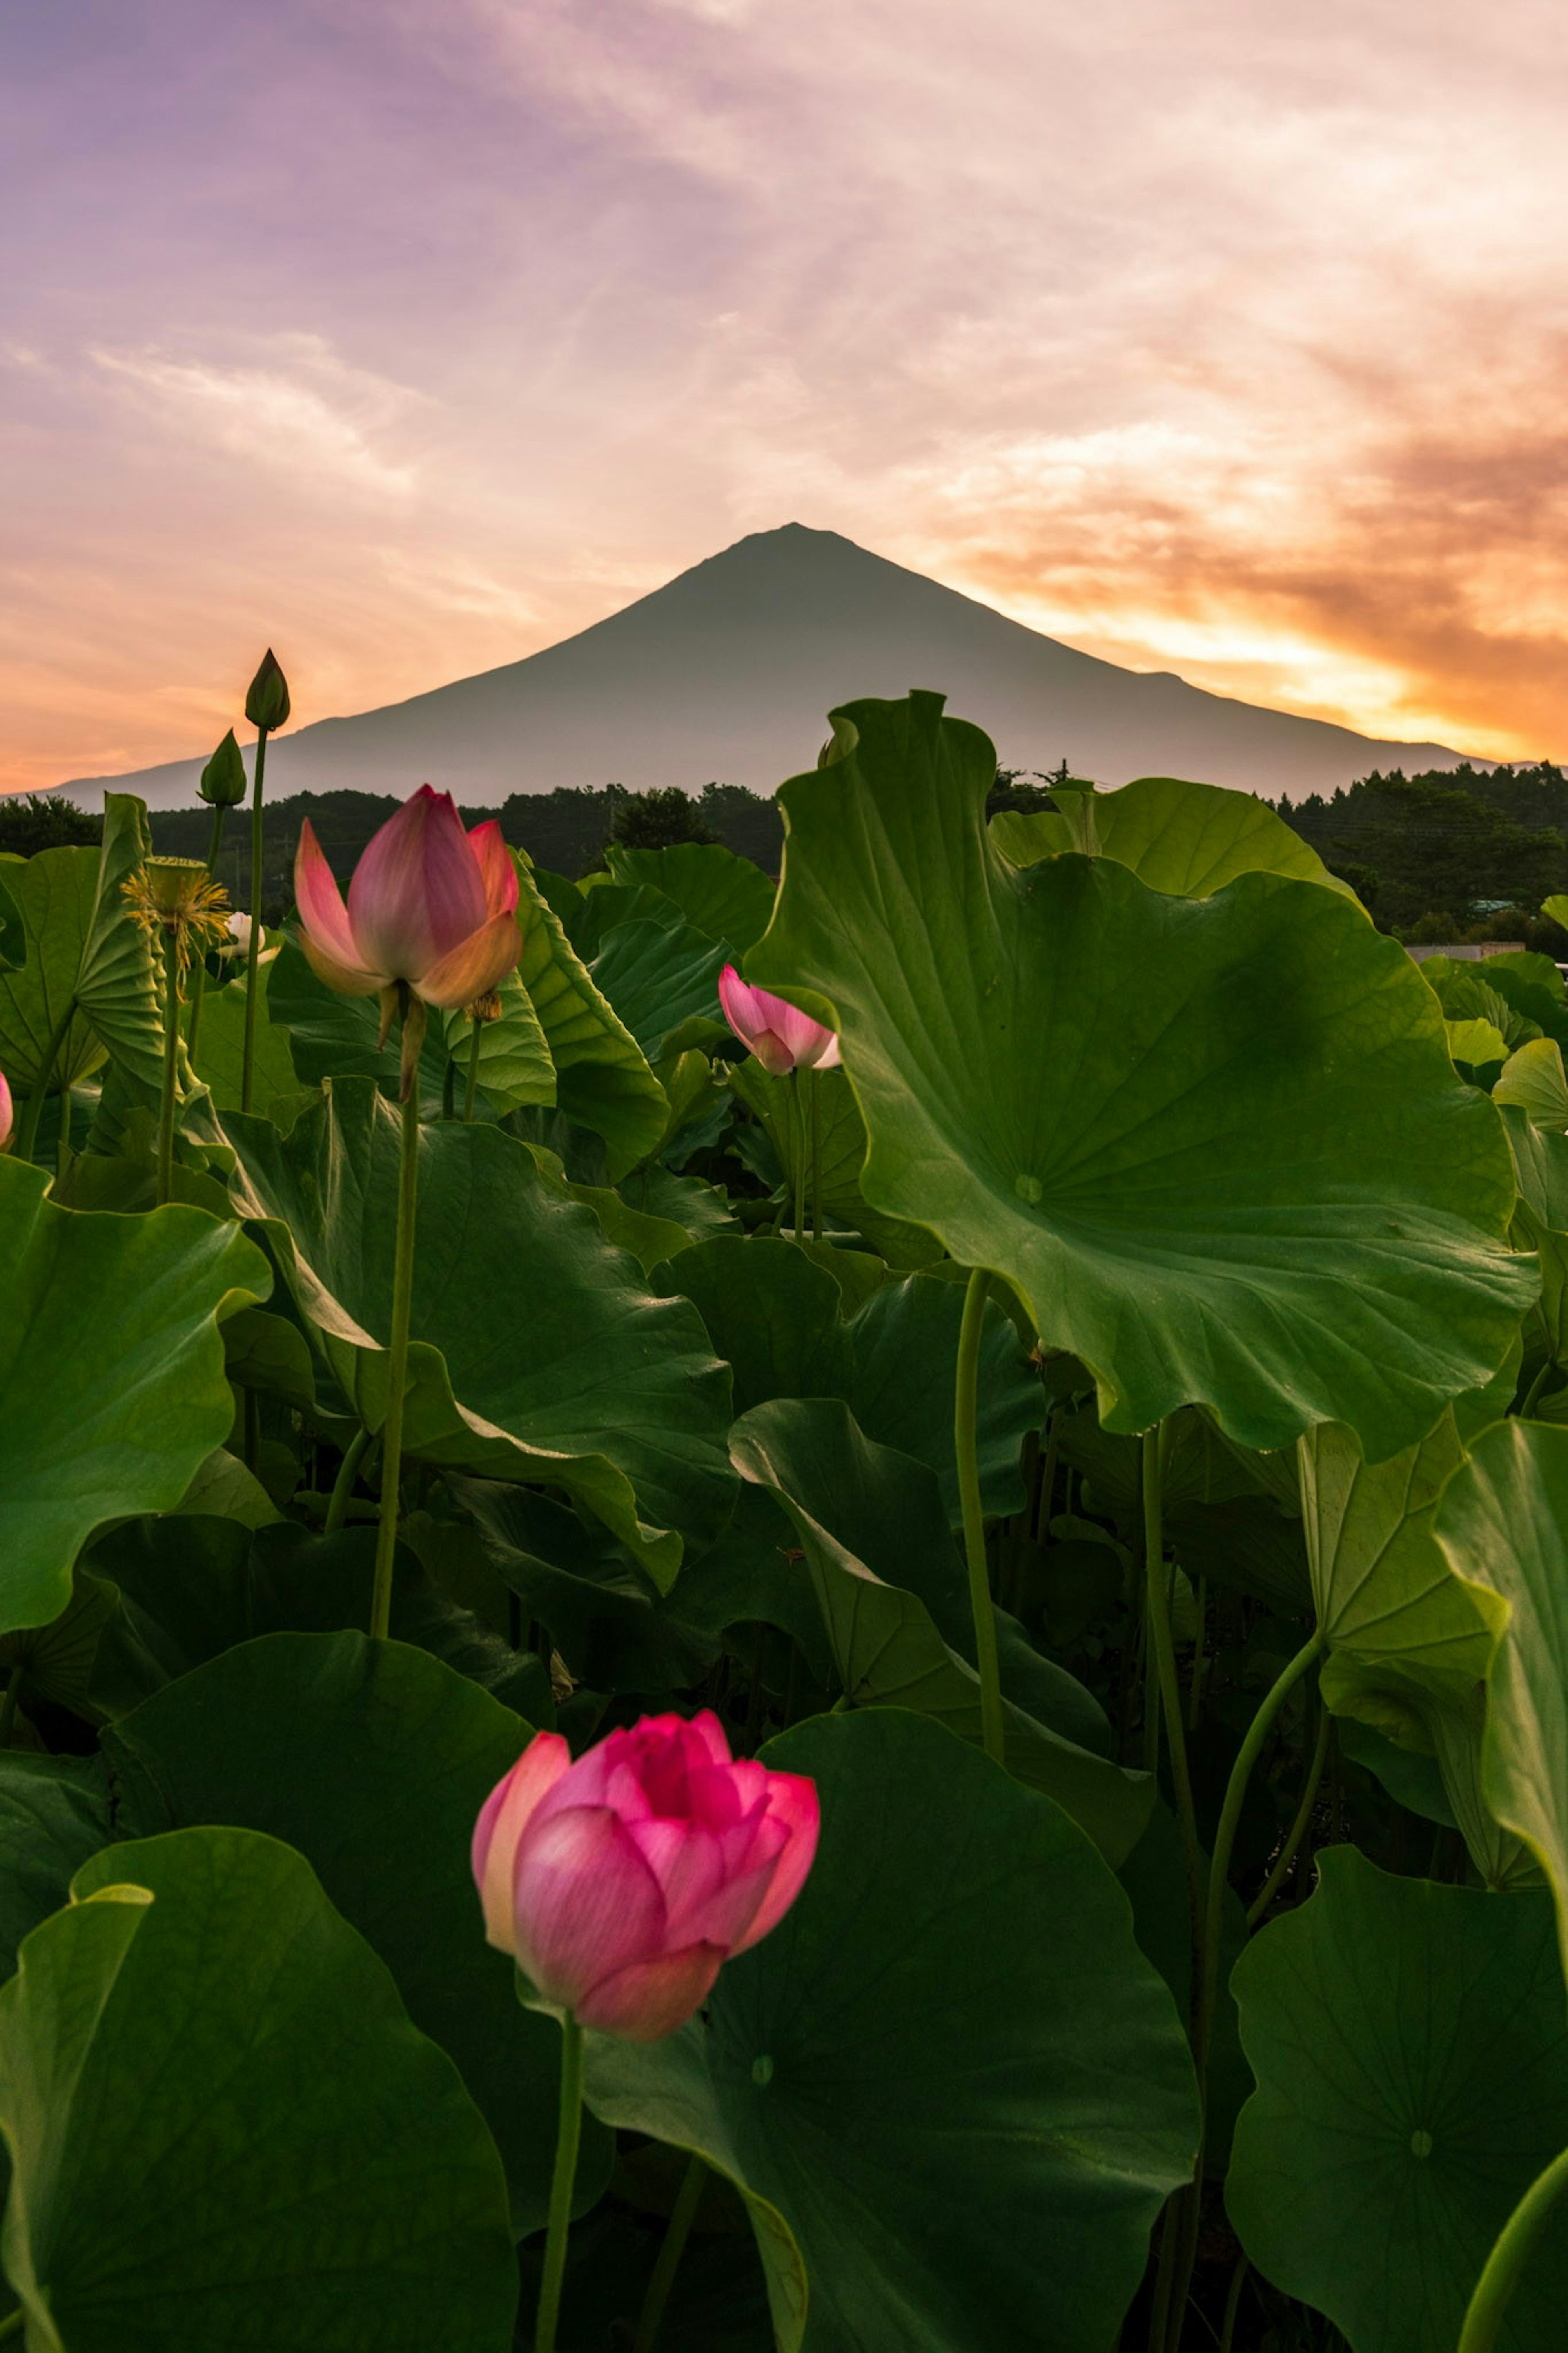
(653, 820)
(34, 821)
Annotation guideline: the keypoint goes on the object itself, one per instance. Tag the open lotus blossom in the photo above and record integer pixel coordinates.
(430, 906)
(7, 1113)
(781, 1038)
(621, 1883)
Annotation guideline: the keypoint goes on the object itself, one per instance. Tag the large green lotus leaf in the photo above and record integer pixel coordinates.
(775, 1316)
(84, 947)
(1188, 840)
(950, 2069)
(220, 1047)
(657, 977)
(1502, 1522)
(725, 897)
(537, 1353)
(1412, 2061)
(54, 1813)
(14, 932)
(1217, 1145)
(373, 1760)
(602, 1077)
(780, 1104)
(55, 892)
(112, 1391)
(887, 1642)
(1380, 1584)
(650, 1239)
(55, 1663)
(1535, 1079)
(224, 2130)
(1540, 1217)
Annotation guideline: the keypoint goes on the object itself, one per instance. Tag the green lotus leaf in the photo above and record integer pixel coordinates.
(1380, 1585)
(14, 932)
(725, 897)
(1185, 839)
(514, 1067)
(94, 1428)
(223, 2128)
(776, 1316)
(1476, 1044)
(54, 1662)
(1541, 1219)
(887, 1641)
(220, 1047)
(1503, 1523)
(1412, 2061)
(1535, 1079)
(564, 1370)
(966, 2118)
(658, 977)
(374, 1760)
(1217, 1145)
(91, 959)
(602, 1077)
(53, 1814)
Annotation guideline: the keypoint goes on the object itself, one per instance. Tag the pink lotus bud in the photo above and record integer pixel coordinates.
(430, 905)
(781, 1038)
(7, 1113)
(621, 1884)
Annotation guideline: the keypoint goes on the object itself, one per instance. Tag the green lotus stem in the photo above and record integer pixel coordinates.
(1297, 1830)
(1208, 1981)
(472, 1084)
(688, 2199)
(398, 1362)
(27, 1138)
(169, 1101)
(568, 2133)
(797, 1123)
(253, 953)
(343, 1485)
(813, 1089)
(1162, 1648)
(1232, 2305)
(199, 977)
(1514, 2245)
(63, 1144)
(964, 1421)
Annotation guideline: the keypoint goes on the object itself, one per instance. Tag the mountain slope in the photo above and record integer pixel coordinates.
(729, 671)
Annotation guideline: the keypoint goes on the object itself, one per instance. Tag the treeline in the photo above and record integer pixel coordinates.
(1448, 854)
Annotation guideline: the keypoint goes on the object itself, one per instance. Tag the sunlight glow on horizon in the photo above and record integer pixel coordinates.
(415, 341)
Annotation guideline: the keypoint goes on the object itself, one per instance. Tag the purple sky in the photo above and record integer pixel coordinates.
(413, 334)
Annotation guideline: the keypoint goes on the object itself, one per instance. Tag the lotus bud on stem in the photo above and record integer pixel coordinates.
(431, 920)
(266, 708)
(222, 786)
(483, 1010)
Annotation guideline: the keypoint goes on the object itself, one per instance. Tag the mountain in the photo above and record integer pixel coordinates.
(729, 672)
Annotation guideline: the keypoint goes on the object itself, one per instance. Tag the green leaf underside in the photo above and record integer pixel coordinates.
(1188, 840)
(1411, 2051)
(967, 2121)
(1217, 1145)
(567, 1370)
(224, 2130)
(119, 1420)
(602, 1077)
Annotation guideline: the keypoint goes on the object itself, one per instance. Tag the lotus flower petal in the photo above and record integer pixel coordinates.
(417, 892)
(792, 1800)
(480, 962)
(7, 1113)
(585, 1904)
(651, 1998)
(505, 1815)
(497, 871)
(321, 909)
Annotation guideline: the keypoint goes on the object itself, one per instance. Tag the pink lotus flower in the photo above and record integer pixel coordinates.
(781, 1038)
(7, 1113)
(430, 905)
(621, 1883)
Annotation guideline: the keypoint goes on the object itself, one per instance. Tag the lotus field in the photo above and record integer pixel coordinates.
(831, 1617)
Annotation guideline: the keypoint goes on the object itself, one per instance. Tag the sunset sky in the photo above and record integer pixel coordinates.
(411, 335)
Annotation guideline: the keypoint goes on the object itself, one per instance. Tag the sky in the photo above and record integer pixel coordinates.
(410, 336)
